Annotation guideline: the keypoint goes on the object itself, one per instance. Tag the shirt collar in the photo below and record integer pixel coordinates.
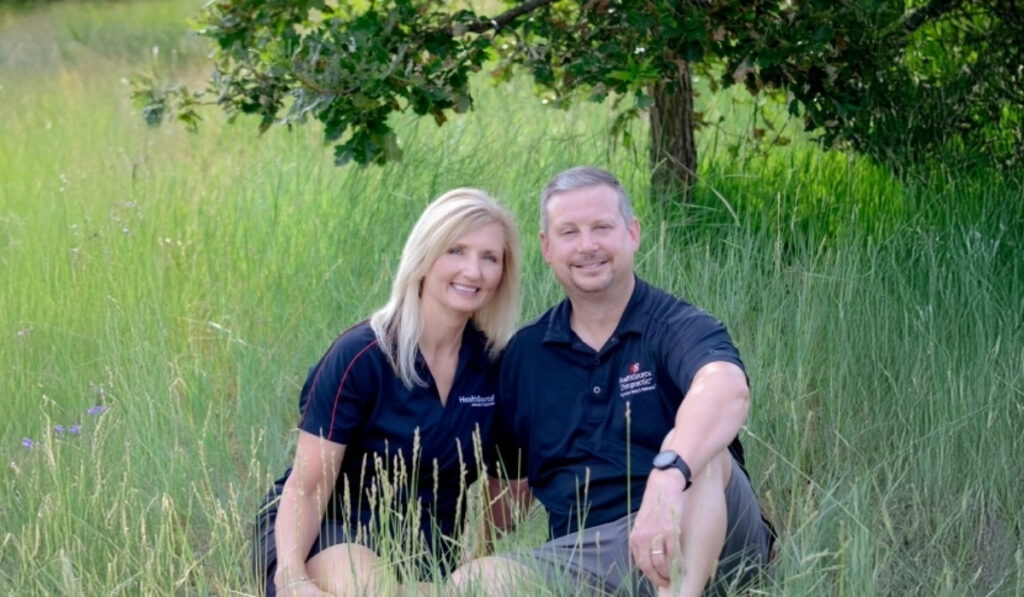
(633, 318)
(472, 350)
(474, 346)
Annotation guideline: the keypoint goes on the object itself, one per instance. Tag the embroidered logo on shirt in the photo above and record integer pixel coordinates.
(477, 401)
(636, 381)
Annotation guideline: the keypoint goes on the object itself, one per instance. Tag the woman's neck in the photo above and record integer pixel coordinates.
(442, 332)
(439, 345)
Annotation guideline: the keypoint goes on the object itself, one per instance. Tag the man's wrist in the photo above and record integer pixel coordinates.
(295, 581)
(289, 575)
(670, 460)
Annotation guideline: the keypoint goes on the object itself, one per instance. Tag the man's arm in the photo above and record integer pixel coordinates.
(709, 418)
(711, 415)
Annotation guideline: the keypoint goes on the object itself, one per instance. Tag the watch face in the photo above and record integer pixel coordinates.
(665, 459)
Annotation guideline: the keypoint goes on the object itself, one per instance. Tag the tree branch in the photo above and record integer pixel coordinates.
(501, 20)
(915, 19)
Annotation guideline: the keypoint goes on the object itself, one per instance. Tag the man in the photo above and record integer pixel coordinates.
(625, 404)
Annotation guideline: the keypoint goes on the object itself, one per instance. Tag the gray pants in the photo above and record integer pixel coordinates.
(596, 560)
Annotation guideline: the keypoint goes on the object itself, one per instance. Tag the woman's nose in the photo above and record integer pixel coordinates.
(471, 269)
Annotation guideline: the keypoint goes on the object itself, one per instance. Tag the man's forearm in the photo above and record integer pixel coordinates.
(710, 416)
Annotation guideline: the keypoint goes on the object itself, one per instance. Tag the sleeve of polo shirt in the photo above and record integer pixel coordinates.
(331, 404)
(693, 340)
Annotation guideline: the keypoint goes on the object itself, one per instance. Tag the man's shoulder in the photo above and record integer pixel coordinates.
(539, 325)
(663, 306)
(532, 333)
(670, 322)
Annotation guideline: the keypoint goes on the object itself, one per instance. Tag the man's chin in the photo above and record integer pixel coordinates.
(591, 285)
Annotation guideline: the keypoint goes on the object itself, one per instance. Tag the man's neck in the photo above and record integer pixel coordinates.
(595, 315)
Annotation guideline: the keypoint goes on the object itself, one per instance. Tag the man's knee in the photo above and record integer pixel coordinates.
(717, 473)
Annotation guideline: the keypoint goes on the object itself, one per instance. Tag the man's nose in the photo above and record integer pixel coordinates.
(587, 241)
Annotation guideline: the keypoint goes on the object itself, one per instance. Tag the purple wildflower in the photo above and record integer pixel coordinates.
(97, 410)
(59, 429)
(75, 429)
(27, 443)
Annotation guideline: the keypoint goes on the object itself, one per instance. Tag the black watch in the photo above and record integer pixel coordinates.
(669, 459)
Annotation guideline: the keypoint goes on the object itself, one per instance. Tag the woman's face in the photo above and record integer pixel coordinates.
(464, 278)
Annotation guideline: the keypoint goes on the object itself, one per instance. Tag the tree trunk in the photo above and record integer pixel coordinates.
(673, 153)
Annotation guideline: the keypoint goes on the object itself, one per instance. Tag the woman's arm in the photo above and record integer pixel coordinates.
(303, 502)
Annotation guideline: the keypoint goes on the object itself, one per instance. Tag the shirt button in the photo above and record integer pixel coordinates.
(597, 390)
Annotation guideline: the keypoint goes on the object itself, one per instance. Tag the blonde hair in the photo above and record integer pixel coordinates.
(398, 325)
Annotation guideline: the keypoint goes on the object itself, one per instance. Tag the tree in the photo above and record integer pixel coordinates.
(907, 83)
(872, 75)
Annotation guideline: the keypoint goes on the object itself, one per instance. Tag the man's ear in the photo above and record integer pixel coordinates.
(545, 249)
(634, 233)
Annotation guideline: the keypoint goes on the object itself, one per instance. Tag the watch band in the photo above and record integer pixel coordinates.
(685, 469)
(670, 459)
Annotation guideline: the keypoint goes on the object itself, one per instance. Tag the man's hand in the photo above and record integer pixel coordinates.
(291, 581)
(654, 540)
(300, 588)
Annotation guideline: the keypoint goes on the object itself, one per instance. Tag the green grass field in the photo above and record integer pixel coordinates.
(185, 283)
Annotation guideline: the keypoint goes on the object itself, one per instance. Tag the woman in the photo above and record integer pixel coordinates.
(386, 434)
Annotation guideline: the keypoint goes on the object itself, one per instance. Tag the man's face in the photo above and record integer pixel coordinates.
(587, 243)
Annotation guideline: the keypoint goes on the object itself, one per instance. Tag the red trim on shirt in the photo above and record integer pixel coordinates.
(341, 384)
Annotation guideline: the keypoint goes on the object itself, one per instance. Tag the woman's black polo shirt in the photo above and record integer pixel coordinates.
(568, 406)
(353, 397)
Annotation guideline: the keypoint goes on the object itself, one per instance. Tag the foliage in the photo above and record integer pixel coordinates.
(348, 69)
(937, 80)
(903, 85)
(187, 282)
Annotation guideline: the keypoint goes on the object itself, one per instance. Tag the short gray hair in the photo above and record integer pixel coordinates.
(582, 177)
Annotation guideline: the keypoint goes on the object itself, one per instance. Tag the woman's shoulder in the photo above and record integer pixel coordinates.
(359, 334)
(357, 343)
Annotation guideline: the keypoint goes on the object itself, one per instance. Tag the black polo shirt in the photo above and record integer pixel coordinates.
(353, 397)
(590, 423)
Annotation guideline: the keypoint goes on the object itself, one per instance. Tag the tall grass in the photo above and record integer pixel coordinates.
(187, 282)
